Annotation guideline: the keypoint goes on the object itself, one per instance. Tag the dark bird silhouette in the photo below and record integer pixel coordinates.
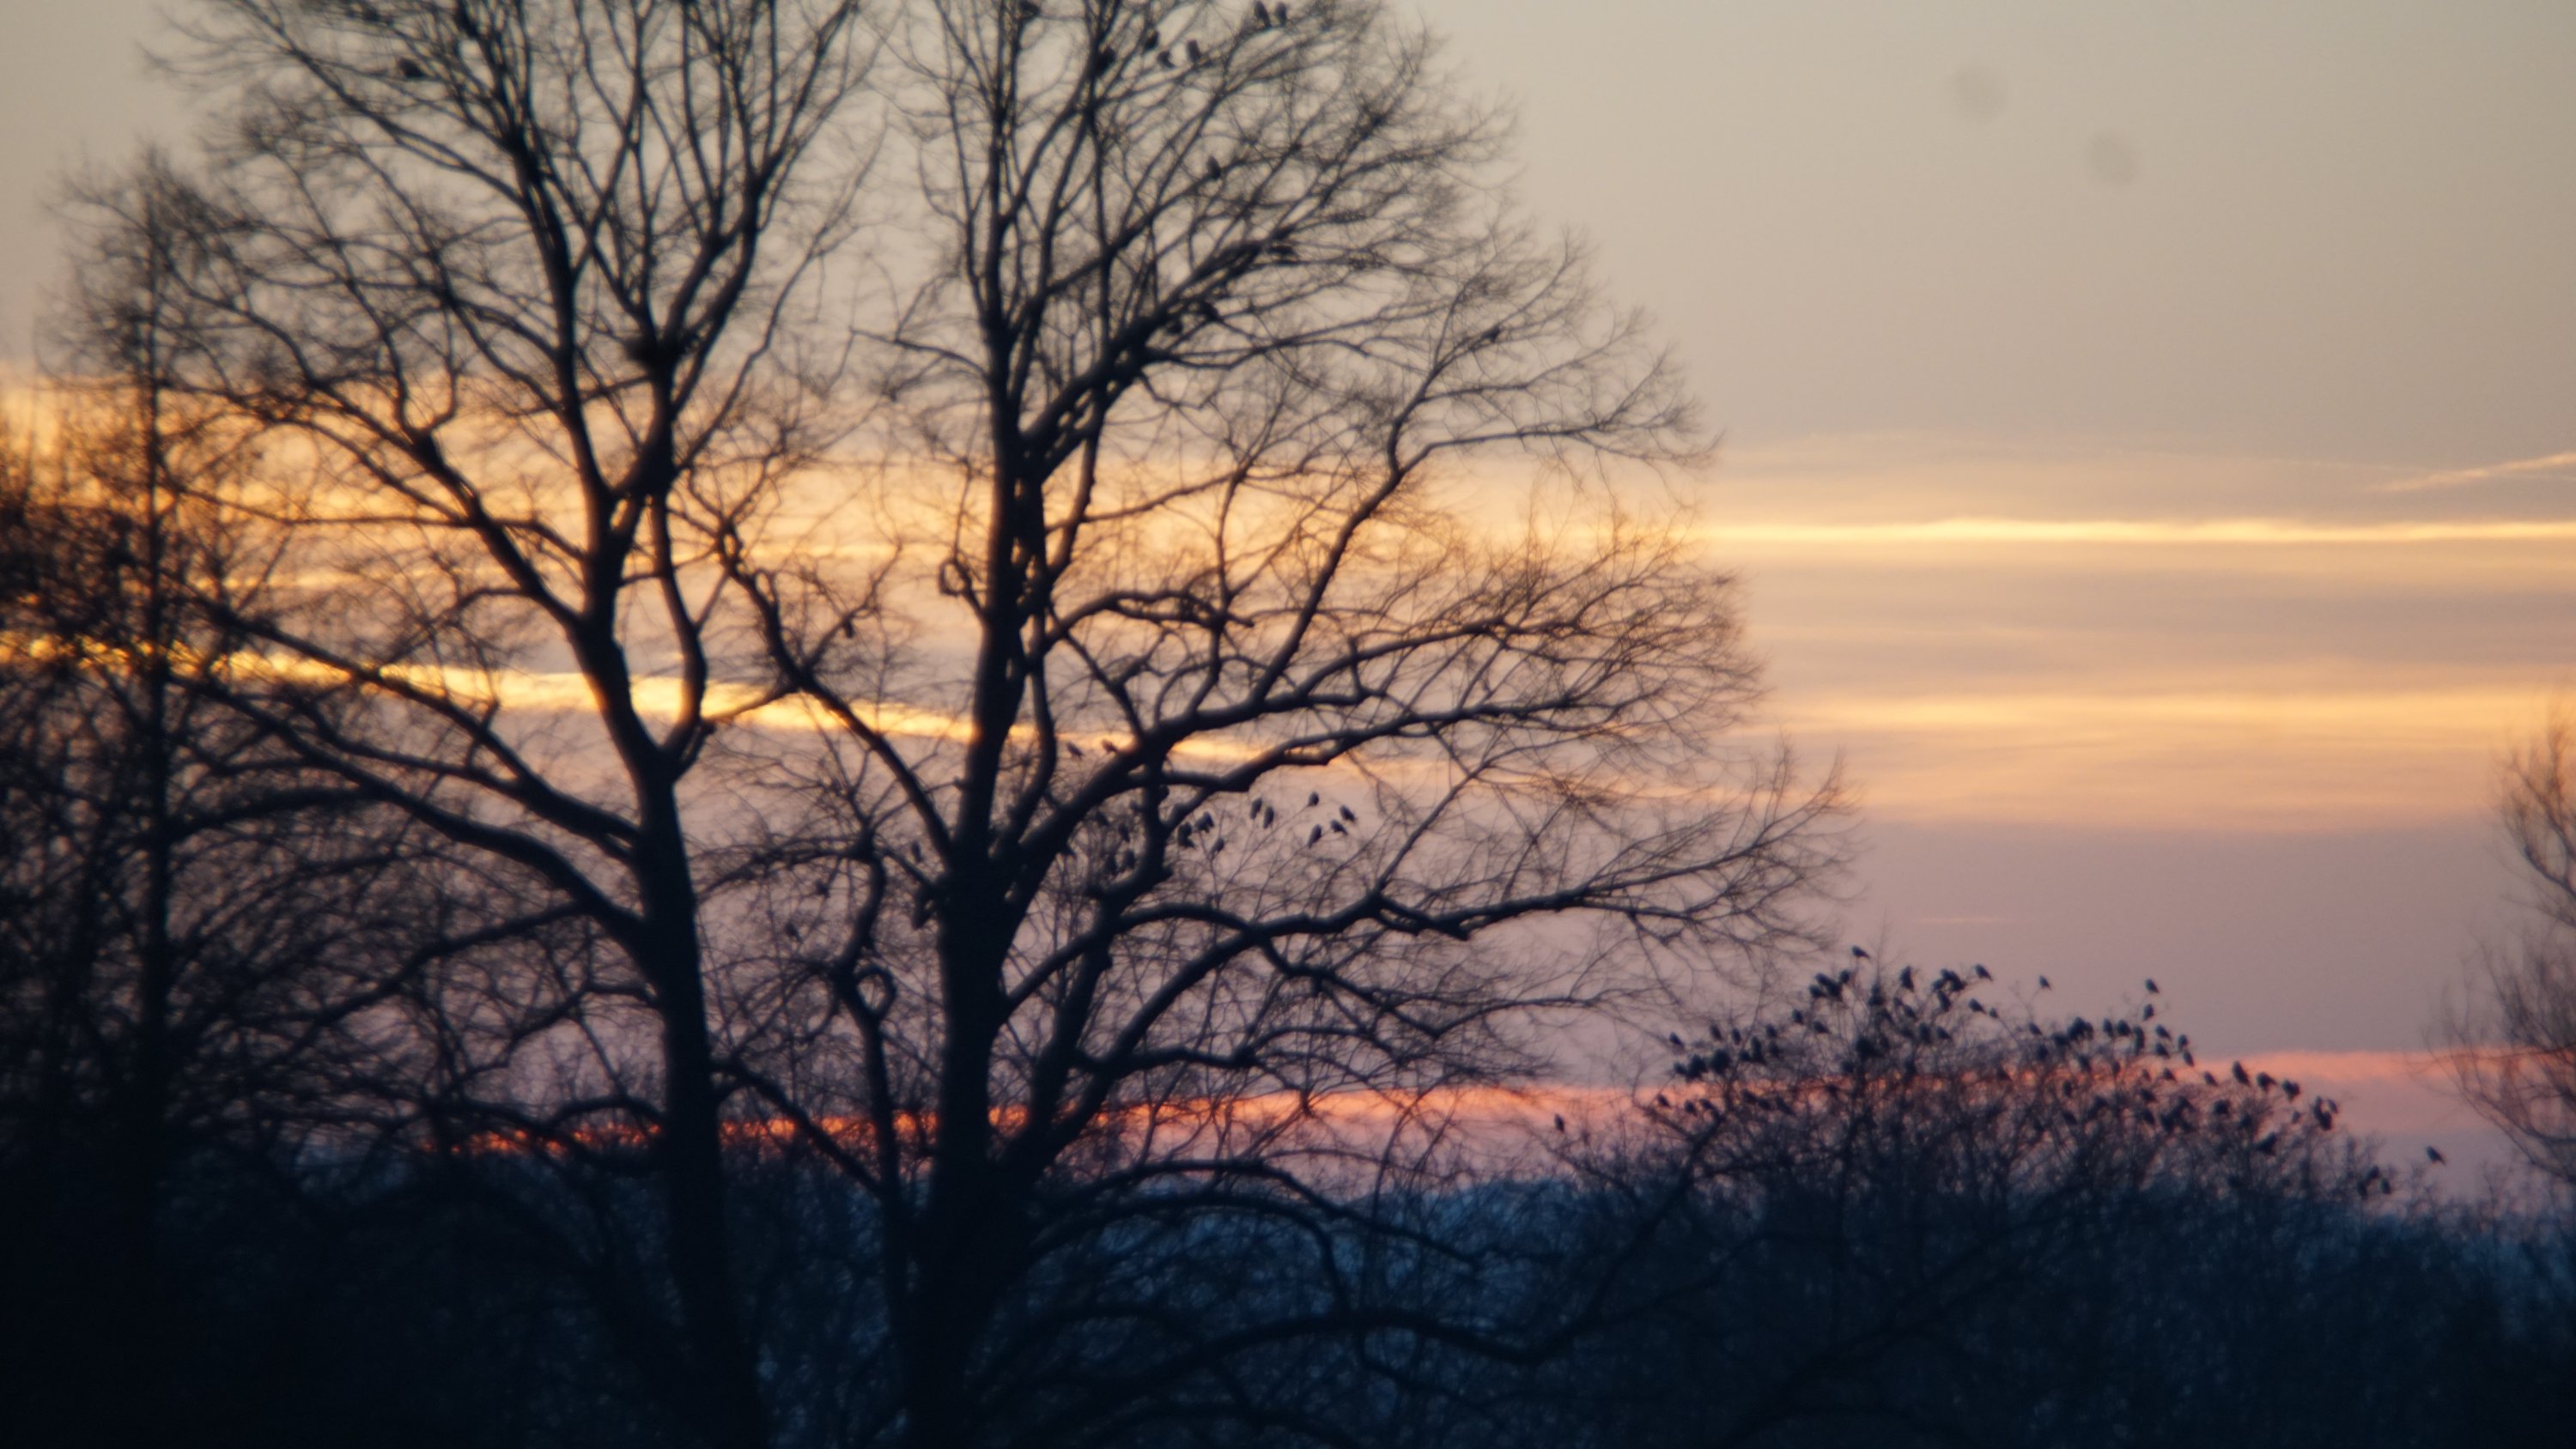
(1560, 1121)
(2244, 1078)
(1313, 799)
(410, 70)
(2434, 1156)
(2043, 983)
(1983, 974)
(1859, 955)
(2152, 988)
(1190, 48)
(1314, 835)
(1260, 14)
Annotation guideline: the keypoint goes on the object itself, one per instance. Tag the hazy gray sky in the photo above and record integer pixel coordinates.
(2335, 228)
(2186, 339)
(73, 89)
(2151, 434)
(2319, 227)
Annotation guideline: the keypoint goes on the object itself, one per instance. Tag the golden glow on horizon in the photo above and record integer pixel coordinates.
(2010, 661)
(659, 698)
(2243, 759)
(2103, 637)
(2430, 715)
(2147, 532)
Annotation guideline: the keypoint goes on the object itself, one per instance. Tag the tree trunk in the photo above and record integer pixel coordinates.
(727, 1397)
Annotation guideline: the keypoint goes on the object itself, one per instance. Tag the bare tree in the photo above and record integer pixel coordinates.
(512, 290)
(1186, 721)
(196, 927)
(2514, 1045)
(1231, 730)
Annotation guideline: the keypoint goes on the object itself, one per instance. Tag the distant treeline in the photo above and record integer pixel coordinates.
(1885, 1215)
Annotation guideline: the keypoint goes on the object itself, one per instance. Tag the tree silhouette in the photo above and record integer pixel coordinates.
(508, 290)
(1899, 1199)
(1228, 711)
(2514, 1048)
(1028, 705)
(199, 932)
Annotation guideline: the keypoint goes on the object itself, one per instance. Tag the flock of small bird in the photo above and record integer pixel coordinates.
(1264, 16)
(1199, 829)
(2157, 1097)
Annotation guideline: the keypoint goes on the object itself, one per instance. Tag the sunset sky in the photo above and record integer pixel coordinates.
(2150, 438)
